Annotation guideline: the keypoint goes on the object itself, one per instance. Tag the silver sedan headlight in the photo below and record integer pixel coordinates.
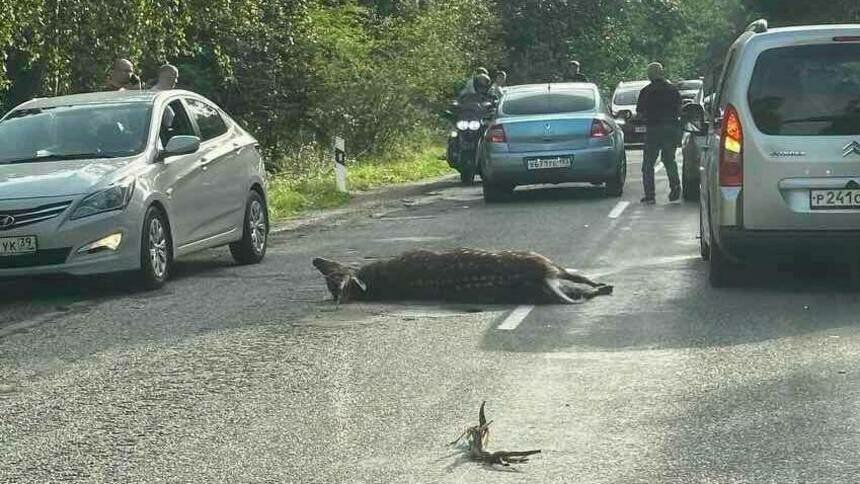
(114, 197)
(474, 125)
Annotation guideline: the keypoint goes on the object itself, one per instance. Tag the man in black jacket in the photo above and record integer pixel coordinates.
(660, 105)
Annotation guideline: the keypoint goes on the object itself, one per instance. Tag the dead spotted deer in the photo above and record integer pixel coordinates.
(461, 275)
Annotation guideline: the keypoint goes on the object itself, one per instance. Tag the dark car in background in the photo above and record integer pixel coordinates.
(692, 90)
(693, 142)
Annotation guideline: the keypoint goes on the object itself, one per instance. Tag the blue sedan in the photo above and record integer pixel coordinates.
(552, 133)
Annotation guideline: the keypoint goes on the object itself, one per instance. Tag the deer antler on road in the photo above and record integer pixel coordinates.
(476, 437)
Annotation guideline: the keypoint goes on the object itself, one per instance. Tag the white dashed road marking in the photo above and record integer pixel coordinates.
(516, 317)
(619, 209)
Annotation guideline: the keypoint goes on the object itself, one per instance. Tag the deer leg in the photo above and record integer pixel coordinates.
(554, 287)
(573, 276)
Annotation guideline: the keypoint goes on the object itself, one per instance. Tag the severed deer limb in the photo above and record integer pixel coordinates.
(477, 437)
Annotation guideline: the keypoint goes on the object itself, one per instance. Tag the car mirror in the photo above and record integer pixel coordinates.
(693, 117)
(180, 145)
(624, 115)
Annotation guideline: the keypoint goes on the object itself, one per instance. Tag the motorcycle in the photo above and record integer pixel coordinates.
(471, 122)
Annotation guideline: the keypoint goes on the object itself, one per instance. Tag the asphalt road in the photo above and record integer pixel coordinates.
(248, 374)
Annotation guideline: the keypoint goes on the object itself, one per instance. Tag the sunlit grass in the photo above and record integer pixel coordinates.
(291, 194)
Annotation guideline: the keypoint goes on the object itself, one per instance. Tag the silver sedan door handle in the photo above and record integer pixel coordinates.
(204, 163)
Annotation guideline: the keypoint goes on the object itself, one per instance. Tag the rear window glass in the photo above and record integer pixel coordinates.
(689, 85)
(810, 90)
(549, 103)
(627, 98)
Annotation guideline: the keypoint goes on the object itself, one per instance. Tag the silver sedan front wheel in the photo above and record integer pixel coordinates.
(155, 250)
(255, 234)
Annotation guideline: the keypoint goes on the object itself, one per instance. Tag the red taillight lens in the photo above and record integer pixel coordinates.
(847, 38)
(732, 150)
(599, 129)
(496, 134)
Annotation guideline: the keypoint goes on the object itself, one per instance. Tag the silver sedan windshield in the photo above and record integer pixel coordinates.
(74, 132)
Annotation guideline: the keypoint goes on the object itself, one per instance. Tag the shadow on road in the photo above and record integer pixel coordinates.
(673, 306)
(51, 291)
(553, 193)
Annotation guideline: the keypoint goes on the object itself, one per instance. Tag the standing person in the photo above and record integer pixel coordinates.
(574, 73)
(122, 77)
(469, 88)
(497, 89)
(660, 105)
(168, 75)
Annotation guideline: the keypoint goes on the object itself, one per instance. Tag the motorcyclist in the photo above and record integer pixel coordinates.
(478, 92)
(469, 88)
(472, 98)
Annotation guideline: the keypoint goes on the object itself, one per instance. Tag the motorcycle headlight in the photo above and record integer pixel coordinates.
(474, 125)
(462, 125)
(114, 197)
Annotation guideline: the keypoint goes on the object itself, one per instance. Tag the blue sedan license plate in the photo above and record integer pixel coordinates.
(17, 245)
(549, 162)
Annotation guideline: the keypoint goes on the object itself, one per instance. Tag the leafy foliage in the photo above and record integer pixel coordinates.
(298, 72)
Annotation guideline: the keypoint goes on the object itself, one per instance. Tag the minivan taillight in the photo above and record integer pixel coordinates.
(496, 134)
(599, 129)
(732, 150)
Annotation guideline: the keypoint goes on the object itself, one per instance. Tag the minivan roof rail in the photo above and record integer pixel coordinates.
(758, 27)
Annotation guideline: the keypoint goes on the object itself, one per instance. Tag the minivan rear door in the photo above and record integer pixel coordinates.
(801, 149)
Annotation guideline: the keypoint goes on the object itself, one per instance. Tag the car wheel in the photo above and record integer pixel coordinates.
(255, 234)
(467, 176)
(495, 193)
(720, 268)
(704, 247)
(689, 189)
(615, 186)
(156, 251)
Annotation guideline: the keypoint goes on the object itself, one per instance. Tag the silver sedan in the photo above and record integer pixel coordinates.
(126, 181)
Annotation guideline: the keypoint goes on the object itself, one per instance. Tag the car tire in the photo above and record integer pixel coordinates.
(156, 250)
(615, 186)
(467, 176)
(251, 249)
(495, 193)
(721, 269)
(689, 191)
(704, 247)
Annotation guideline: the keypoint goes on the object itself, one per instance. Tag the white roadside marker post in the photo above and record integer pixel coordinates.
(340, 163)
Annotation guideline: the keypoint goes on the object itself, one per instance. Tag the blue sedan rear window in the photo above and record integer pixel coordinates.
(523, 104)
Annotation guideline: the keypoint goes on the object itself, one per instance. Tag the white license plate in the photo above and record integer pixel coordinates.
(17, 245)
(834, 199)
(548, 163)
(640, 129)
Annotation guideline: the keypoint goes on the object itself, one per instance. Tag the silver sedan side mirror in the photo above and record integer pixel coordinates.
(180, 145)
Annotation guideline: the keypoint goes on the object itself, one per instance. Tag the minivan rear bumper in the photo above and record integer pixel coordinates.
(739, 242)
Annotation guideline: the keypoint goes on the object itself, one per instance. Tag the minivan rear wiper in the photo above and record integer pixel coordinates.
(61, 157)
